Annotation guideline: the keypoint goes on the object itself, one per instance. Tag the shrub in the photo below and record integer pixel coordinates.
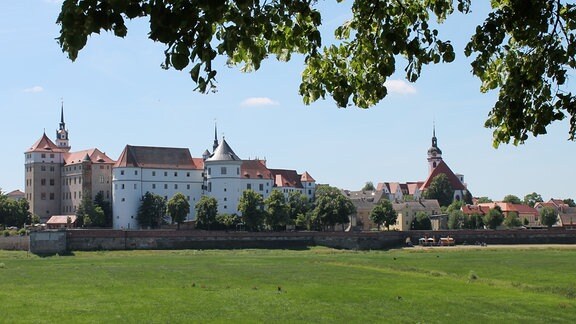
(6, 233)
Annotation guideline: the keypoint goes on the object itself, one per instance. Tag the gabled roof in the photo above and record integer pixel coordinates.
(44, 144)
(510, 207)
(156, 158)
(306, 177)
(16, 194)
(286, 178)
(223, 153)
(254, 169)
(383, 185)
(61, 219)
(474, 209)
(93, 155)
(442, 167)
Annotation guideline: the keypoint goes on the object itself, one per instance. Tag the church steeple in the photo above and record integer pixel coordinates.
(62, 132)
(434, 152)
(215, 145)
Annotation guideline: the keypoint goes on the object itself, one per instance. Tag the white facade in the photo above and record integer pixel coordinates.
(130, 184)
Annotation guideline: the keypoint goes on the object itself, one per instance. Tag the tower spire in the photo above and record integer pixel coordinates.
(215, 145)
(62, 124)
(62, 132)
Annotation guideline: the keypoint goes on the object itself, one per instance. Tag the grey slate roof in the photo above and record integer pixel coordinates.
(223, 153)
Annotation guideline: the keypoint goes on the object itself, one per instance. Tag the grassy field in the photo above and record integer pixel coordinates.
(317, 285)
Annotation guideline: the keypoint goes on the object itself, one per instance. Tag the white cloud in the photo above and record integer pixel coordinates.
(34, 89)
(400, 87)
(258, 101)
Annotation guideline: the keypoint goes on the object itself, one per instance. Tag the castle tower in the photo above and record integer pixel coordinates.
(223, 180)
(62, 133)
(434, 153)
(43, 161)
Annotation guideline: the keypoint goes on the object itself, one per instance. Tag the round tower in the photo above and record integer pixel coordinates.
(223, 180)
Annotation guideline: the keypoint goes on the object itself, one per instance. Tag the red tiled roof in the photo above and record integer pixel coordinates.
(61, 219)
(442, 167)
(286, 178)
(94, 154)
(156, 158)
(382, 185)
(44, 144)
(509, 207)
(254, 169)
(474, 209)
(307, 177)
(198, 162)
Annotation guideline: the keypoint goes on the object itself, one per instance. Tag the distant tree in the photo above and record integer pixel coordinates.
(227, 220)
(475, 221)
(306, 220)
(106, 208)
(251, 206)
(206, 212)
(468, 199)
(512, 220)
(332, 207)
(298, 204)
(151, 211)
(548, 216)
(455, 205)
(456, 219)
(512, 199)
(421, 222)
(532, 198)
(441, 190)
(526, 222)
(570, 202)
(85, 213)
(494, 218)
(368, 186)
(383, 214)
(178, 207)
(14, 212)
(482, 200)
(277, 210)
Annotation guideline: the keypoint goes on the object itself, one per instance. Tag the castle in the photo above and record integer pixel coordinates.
(57, 179)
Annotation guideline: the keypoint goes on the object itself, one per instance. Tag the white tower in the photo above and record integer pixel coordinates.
(223, 180)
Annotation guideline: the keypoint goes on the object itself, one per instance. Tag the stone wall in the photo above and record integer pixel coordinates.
(48, 242)
(20, 243)
(90, 240)
(470, 237)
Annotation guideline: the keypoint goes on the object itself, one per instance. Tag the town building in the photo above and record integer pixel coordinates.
(412, 191)
(57, 179)
(220, 174)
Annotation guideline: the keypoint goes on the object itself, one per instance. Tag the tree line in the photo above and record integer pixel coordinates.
(15, 212)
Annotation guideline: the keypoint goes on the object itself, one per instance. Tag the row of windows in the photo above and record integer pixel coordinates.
(176, 186)
(154, 173)
(42, 168)
(223, 170)
(69, 195)
(43, 196)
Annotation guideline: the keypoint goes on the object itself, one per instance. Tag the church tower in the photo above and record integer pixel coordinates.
(434, 153)
(62, 133)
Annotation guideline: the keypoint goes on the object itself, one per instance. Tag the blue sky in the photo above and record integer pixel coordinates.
(117, 94)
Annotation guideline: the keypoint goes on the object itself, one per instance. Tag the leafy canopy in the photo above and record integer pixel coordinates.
(383, 213)
(525, 49)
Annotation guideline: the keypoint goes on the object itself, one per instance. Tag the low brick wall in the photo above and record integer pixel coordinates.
(90, 240)
(21, 243)
(470, 237)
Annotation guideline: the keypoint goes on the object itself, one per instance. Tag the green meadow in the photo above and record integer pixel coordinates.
(454, 285)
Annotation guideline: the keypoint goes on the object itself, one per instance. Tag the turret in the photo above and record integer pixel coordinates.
(62, 133)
